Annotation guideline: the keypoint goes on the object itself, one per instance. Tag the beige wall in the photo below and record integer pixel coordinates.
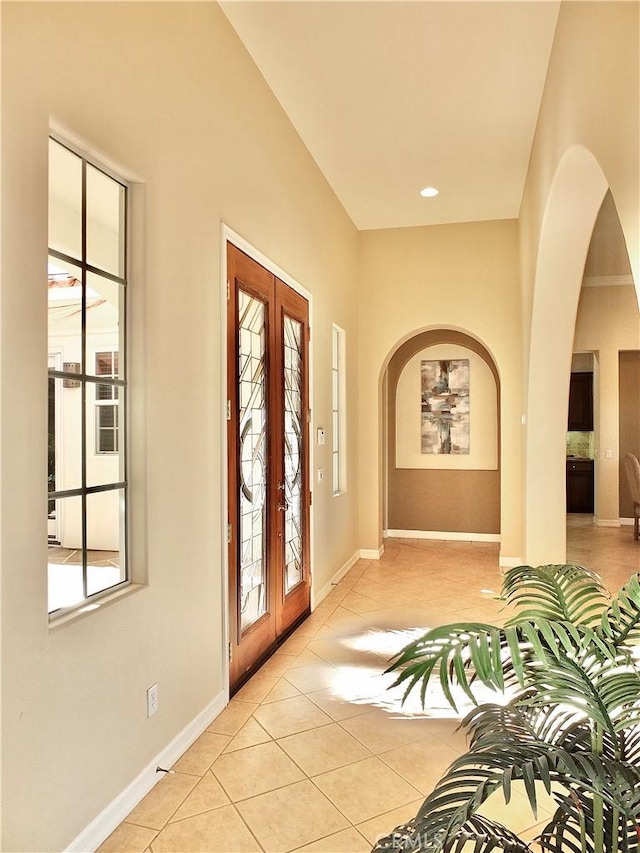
(582, 101)
(607, 322)
(167, 93)
(416, 279)
(586, 140)
(206, 142)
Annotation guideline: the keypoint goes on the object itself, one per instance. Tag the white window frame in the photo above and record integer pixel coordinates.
(338, 410)
(85, 379)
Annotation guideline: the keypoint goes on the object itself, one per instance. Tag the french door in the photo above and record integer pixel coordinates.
(268, 439)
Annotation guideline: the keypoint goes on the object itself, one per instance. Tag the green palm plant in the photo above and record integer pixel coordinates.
(566, 668)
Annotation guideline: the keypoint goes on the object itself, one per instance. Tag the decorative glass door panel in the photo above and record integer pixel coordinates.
(253, 459)
(269, 581)
(293, 453)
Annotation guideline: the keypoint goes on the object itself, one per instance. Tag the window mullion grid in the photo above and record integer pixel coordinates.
(70, 259)
(83, 430)
(90, 381)
(123, 372)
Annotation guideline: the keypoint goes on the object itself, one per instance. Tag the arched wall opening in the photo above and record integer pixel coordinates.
(606, 345)
(575, 197)
(431, 496)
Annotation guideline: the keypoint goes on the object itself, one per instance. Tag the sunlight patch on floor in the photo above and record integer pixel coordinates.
(371, 685)
(383, 642)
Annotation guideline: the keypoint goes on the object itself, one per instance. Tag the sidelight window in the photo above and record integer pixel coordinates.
(339, 410)
(86, 287)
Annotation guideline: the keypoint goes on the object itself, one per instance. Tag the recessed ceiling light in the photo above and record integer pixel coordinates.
(429, 192)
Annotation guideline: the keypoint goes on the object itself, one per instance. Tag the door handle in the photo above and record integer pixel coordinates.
(284, 506)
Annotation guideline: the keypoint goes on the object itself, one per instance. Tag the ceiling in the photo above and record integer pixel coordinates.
(390, 97)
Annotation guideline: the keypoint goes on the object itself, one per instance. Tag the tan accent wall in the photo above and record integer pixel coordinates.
(460, 501)
(629, 378)
(444, 501)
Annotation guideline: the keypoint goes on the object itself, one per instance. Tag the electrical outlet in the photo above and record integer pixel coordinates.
(152, 700)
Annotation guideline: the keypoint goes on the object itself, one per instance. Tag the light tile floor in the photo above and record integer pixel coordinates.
(315, 753)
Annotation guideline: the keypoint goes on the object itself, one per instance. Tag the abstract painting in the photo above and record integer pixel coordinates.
(445, 406)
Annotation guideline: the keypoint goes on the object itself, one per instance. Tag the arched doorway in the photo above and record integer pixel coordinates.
(575, 197)
(606, 345)
(431, 495)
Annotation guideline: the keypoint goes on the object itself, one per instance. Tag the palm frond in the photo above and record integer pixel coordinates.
(562, 593)
(572, 826)
(569, 662)
(566, 833)
(495, 762)
(620, 623)
(491, 765)
(564, 683)
(605, 691)
(629, 741)
(485, 834)
(458, 655)
(500, 658)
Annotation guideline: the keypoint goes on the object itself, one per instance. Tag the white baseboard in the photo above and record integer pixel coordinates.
(113, 815)
(326, 589)
(509, 562)
(444, 535)
(624, 522)
(607, 522)
(371, 553)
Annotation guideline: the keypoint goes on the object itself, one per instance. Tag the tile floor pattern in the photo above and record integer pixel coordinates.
(315, 753)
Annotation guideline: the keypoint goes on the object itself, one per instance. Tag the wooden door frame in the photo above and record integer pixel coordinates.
(228, 236)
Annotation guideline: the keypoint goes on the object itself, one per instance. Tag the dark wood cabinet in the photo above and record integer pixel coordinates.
(581, 402)
(579, 485)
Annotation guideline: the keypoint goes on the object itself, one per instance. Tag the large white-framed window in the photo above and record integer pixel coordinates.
(86, 285)
(339, 409)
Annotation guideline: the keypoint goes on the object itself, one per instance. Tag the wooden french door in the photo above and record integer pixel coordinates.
(268, 441)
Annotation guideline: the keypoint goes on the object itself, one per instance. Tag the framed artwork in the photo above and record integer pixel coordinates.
(445, 406)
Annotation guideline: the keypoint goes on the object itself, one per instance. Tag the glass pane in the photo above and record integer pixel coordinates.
(336, 473)
(65, 200)
(64, 557)
(52, 424)
(253, 460)
(336, 432)
(65, 428)
(105, 222)
(64, 290)
(335, 342)
(293, 452)
(105, 536)
(105, 300)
